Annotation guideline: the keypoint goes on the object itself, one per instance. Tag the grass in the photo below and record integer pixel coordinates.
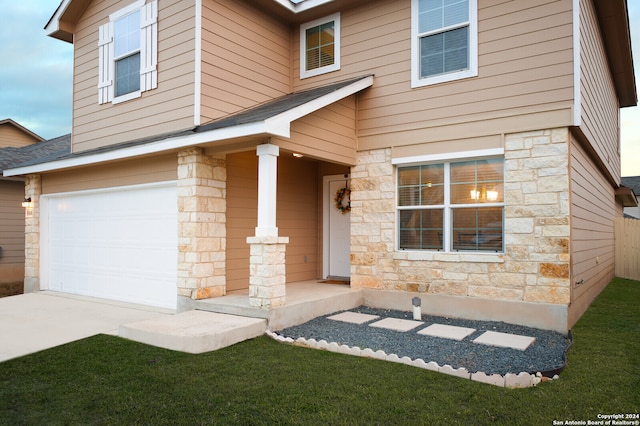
(108, 380)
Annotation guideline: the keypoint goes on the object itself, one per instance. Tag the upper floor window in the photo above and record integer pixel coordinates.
(452, 206)
(320, 46)
(128, 52)
(444, 43)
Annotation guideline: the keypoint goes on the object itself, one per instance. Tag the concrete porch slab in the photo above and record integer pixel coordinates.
(447, 331)
(194, 331)
(353, 317)
(396, 324)
(505, 340)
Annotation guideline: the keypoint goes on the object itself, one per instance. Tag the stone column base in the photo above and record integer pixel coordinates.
(267, 271)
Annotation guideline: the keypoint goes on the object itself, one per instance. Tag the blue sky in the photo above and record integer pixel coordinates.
(36, 76)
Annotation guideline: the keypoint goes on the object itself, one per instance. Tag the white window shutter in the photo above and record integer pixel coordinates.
(105, 63)
(149, 46)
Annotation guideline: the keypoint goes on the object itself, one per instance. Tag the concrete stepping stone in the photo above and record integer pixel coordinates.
(396, 324)
(505, 340)
(447, 331)
(353, 317)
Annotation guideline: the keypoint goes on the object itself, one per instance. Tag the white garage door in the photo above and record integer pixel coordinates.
(119, 244)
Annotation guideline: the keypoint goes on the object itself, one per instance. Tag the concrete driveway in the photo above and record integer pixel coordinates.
(36, 321)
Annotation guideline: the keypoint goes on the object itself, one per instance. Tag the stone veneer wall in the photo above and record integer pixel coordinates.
(33, 189)
(535, 265)
(202, 183)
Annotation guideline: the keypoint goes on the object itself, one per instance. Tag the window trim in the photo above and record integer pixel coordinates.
(447, 208)
(303, 44)
(472, 71)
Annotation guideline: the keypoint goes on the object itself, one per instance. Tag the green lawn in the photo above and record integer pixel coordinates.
(108, 380)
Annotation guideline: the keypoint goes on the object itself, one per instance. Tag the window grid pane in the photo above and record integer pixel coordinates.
(421, 185)
(320, 46)
(127, 75)
(479, 181)
(127, 34)
(444, 52)
(477, 229)
(421, 229)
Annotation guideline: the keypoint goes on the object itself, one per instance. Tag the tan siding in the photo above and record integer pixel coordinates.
(593, 212)
(600, 109)
(525, 69)
(245, 58)
(167, 108)
(297, 216)
(11, 136)
(132, 172)
(11, 229)
(328, 133)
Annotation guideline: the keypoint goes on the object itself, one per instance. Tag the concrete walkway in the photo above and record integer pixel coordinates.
(36, 321)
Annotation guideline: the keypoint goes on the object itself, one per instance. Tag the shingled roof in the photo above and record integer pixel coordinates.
(42, 152)
(632, 182)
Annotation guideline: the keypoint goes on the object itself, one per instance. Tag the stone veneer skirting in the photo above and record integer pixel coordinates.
(535, 265)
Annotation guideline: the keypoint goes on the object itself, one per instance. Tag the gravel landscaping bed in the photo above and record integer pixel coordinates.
(545, 355)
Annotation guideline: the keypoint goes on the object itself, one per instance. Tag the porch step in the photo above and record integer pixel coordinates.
(304, 301)
(194, 331)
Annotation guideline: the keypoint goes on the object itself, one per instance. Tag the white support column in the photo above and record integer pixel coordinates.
(267, 185)
(267, 261)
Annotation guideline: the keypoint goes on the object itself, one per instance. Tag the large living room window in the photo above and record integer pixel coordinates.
(452, 206)
(128, 53)
(320, 46)
(444, 44)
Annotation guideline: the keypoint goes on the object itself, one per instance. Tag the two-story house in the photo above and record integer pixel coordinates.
(463, 151)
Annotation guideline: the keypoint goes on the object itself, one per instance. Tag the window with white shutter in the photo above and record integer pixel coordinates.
(128, 53)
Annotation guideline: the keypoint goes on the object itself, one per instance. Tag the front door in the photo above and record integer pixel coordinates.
(337, 233)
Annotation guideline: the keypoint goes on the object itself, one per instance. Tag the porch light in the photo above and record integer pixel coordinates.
(297, 155)
(27, 203)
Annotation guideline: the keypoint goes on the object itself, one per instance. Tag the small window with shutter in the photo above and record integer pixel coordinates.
(127, 48)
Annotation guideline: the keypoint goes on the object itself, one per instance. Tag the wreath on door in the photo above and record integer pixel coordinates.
(341, 195)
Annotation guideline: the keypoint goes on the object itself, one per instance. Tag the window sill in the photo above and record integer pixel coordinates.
(449, 257)
(127, 97)
(443, 78)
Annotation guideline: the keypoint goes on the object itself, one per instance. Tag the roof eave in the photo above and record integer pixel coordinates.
(57, 27)
(613, 18)
(626, 197)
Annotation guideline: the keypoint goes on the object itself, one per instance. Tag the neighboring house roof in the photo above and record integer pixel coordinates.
(10, 122)
(271, 118)
(632, 182)
(42, 151)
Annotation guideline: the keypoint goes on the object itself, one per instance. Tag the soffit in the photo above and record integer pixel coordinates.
(614, 25)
